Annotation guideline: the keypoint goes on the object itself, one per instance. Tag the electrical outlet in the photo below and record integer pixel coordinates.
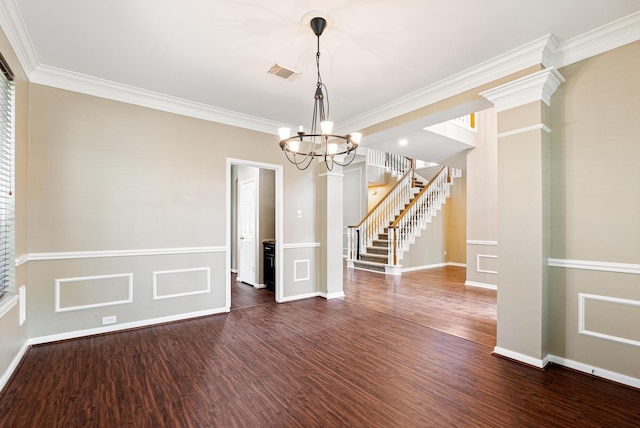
(109, 320)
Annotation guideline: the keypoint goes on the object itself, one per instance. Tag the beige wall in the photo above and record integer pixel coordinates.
(109, 176)
(482, 195)
(13, 336)
(455, 213)
(595, 210)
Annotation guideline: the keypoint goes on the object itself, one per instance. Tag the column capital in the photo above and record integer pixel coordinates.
(538, 86)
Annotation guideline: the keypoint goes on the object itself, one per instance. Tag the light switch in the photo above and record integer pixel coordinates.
(299, 213)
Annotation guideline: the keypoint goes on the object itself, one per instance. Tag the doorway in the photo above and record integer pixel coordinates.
(254, 215)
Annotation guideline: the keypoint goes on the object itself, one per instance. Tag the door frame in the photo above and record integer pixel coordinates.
(279, 280)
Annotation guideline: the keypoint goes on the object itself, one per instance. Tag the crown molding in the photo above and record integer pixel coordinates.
(63, 79)
(13, 25)
(531, 54)
(545, 51)
(602, 39)
(538, 86)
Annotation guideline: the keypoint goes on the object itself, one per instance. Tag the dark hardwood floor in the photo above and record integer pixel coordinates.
(356, 362)
(434, 298)
(245, 296)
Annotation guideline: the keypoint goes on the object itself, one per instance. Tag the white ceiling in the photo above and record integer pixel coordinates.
(215, 54)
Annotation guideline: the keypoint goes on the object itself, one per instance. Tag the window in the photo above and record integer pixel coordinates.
(7, 139)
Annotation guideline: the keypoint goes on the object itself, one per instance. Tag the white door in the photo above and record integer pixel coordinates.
(247, 232)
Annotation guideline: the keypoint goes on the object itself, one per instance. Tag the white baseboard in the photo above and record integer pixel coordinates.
(596, 371)
(539, 363)
(299, 297)
(125, 326)
(330, 296)
(481, 285)
(14, 365)
(575, 365)
(433, 266)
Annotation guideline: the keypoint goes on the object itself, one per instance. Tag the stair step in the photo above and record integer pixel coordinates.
(384, 236)
(380, 243)
(371, 266)
(377, 250)
(379, 258)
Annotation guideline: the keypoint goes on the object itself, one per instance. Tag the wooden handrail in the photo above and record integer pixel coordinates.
(415, 200)
(383, 198)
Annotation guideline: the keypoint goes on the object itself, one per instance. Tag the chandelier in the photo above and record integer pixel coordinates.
(302, 148)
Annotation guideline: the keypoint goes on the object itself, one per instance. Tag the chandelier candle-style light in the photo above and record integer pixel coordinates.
(303, 147)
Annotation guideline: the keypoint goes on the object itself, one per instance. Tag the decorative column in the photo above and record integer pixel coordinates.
(523, 214)
(329, 203)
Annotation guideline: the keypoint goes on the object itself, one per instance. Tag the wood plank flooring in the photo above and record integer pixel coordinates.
(310, 363)
(435, 298)
(245, 296)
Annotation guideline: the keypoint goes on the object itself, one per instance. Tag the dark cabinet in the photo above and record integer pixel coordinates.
(269, 265)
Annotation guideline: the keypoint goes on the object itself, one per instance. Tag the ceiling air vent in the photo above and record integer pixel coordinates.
(281, 71)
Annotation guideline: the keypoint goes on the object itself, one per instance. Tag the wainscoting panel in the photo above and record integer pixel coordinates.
(300, 273)
(75, 294)
(301, 270)
(183, 282)
(482, 264)
(486, 263)
(609, 318)
(595, 316)
(85, 293)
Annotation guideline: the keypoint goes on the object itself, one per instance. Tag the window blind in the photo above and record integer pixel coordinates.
(7, 218)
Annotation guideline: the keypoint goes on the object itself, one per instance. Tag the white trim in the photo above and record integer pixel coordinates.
(481, 285)
(565, 362)
(16, 31)
(537, 127)
(22, 314)
(535, 362)
(464, 265)
(582, 298)
(538, 86)
(545, 51)
(86, 84)
(596, 371)
(301, 245)
(279, 189)
(118, 253)
(423, 267)
(8, 304)
(125, 326)
(58, 284)
(336, 295)
(155, 274)
(503, 65)
(486, 256)
(330, 174)
(14, 365)
(602, 39)
(474, 242)
(22, 259)
(299, 297)
(433, 266)
(631, 268)
(295, 270)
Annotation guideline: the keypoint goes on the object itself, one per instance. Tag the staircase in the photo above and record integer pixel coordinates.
(379, 242)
